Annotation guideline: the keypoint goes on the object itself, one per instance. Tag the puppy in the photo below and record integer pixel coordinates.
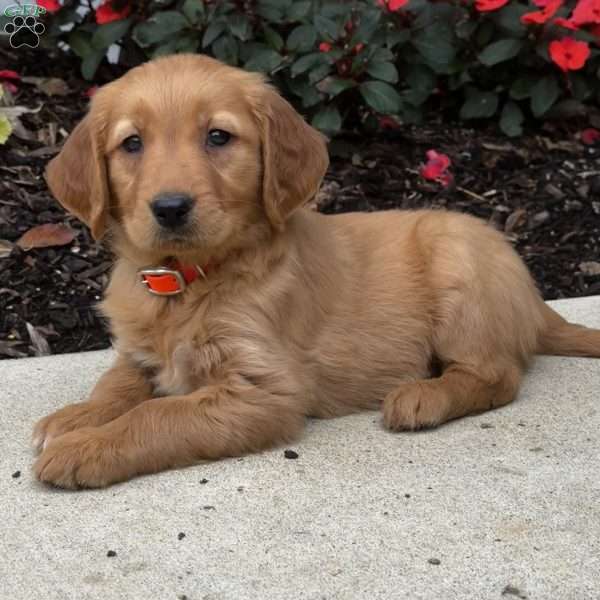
(236, 313)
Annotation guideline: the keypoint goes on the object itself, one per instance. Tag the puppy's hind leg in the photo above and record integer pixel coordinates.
(461, 390)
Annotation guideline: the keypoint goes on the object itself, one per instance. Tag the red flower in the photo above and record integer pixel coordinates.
(566, 23)
(393, 5)
(324, 47)
(590, 136)
(569, 54)
(105, 13)
(489, 5)
(50, 5)
(436, 168)
(595, 31)
(541, 16)
(7, 79)
(586, 12)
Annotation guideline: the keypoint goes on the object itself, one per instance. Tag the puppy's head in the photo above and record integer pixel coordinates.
(183, 155)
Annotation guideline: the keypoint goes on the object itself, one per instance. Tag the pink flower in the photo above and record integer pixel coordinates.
(436, 168)
(489, 5)
(566, 23)
(324, 47)
(569, 54)
(541, 16)
(394, 5)
(106, 13)
(50, 5)
(7, 79)
(590, 136)
(587, 12)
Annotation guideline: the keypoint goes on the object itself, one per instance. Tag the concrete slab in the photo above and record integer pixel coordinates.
(504, 505)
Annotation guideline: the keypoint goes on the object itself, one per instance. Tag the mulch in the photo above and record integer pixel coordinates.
(542, 190)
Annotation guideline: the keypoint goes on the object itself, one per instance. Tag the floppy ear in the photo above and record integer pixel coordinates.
(77, 178)
(294, 158)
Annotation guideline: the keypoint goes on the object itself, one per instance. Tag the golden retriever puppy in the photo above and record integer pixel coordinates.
(236, 313)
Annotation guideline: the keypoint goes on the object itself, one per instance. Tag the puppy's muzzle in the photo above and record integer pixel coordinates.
(171, 211)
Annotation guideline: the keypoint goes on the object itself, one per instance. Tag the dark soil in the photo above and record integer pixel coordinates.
(543, 190)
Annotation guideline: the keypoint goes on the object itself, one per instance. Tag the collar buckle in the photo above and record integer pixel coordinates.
(162, 281)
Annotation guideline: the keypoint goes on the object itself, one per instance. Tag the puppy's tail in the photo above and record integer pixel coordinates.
(567, 339)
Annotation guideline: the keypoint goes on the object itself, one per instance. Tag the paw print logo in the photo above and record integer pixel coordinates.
(24, 31)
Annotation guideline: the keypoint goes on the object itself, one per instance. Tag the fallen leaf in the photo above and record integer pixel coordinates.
(41, 347)
(13, 113)
(5, 128)
(5, 248)
(590, 268)
(51, 86)
(515, 220)
(50, 234)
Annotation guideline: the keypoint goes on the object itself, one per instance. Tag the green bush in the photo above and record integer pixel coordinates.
(350, 63)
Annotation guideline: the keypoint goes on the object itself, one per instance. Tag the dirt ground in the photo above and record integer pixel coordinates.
(542, 190)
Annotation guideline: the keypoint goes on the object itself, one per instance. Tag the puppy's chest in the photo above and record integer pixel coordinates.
(179, 355)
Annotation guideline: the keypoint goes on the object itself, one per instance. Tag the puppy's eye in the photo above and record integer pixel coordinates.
(132, 144)
(218, 137)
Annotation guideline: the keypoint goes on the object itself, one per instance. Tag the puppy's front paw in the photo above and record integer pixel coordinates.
(86, 458)
(69, 418)
(415, 405)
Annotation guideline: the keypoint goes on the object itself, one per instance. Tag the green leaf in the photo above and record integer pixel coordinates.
(421, 77)
(107, 35)
(511, 119)
(385, 71)
(479, 105)
(567, 109)
(304, 90)
(319, 72)
(5, 128)
(465, 29)
(226, 50)
(264, 60)
(332, 86)
(193, 11)
(91, 62)
(380, 96)
(239, 25)
(297, 11)
(543, 95)
(273, 39)
(212, 32)
(327, 28)
(508, 19)
(436, 45)
(302, 39)
(184, 43)
(159, 27)
(521, 88)
(367, 26)
(80, 43)
(306, 62)
(395, 38)
(500, 51)
(328, 120)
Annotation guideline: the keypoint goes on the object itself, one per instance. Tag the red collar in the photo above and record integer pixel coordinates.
(172, 278)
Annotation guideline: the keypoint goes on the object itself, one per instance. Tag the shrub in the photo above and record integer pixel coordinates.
(362, 61)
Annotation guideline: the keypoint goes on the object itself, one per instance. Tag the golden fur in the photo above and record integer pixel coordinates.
(431, 315)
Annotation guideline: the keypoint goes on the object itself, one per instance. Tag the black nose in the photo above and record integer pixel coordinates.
(171, 210)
